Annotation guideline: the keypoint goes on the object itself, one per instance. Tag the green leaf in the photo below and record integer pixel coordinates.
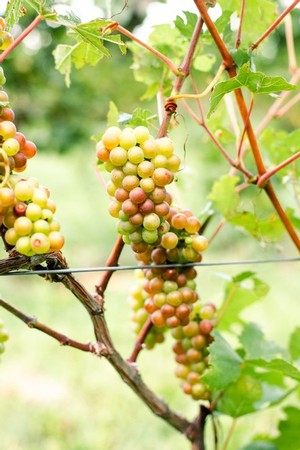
(79, 54)
(256, 82)
(225, 364)
(256, 346)
(241, 396)
(280, 146)
(289, 429)
(142, 116)
(224, 196)
(241, 56)
(266, 229)
(294, 344)
(13, 13)
(241, 292)
(112, 115)
(187, 26)
(278, 365)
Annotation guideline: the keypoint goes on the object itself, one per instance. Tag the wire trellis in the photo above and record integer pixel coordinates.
(69, 270)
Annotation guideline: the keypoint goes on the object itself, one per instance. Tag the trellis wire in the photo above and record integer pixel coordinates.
(69, 270)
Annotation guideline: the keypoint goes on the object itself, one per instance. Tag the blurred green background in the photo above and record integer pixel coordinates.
(55, 397)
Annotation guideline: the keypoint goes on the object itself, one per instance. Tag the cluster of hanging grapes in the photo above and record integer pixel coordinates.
(26, 211)
(160, 234)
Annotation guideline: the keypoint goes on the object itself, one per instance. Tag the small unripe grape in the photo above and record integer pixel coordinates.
(147, 184)
(192, 329)
(141, 133)
(54, 225)
(173, 163)
(7, 196)
(33, 212)
(20, 160)
(29, 149)
(127, 138)
(181, 371)
(23, 226)
(4, 96)
(102, 152)
(118, 156)
(114, 208)
(159, 161)
(9, 219)
(150, 236)
(145, 169)
(158, 319)
(6, 40)
(179, 221)
(111, 188)
(136, 219)
(110, 139)
(129, 168)
(21, 139)
(137, 195)
(173, 322)
(23, 246)
(151, 222)
(39, 197)
(135, 155)
(169, 240)
(19, 209)
(56, 240)
(198, 390)
(205, 326)
(7, 114)
(159, 300)
(182, 310)
(200, 243)
(121, 194)
(130, 182)
(7, 129)
(11, 146)
(11, 236)
(174, 298)
(165, 146)
(149, 148)
(117, 177)
(40, 243)
(130, 208)
(24, 190)
(162, 176)
(158, 194)
(41, 226)
(146, 207)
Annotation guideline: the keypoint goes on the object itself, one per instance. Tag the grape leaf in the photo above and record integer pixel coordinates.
(225, 363)
(256, 346)
(256, 82)
(142, 116)
(13, 13)
(112, 115)
(240, 397)
(187, 26)
(79, 54)
(280, 146)
(241, 292)
(267, 229)
(224, 196)
(289, 429)
(279, 365)
(294, 344)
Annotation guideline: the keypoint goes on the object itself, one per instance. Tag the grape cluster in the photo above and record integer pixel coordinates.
(191, 350)
(5, 37)
(28, 217)
(172, 291)
(3, 337)
(139, 315)
(15, 150)
(140, 169)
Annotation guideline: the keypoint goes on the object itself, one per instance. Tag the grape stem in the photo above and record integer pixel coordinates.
(140, 340)
(115, 26)
(112, 260)
(206, 91)
(32, 322)
(274, 25)
(20, 38)
(239, 32)
(266, 176)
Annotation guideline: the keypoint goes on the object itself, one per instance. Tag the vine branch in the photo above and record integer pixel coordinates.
(20, 38)
(32, 322)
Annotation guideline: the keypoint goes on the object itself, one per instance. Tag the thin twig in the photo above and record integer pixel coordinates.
(20, 38)
(266, 176)
(282, 112)
(111, 261)
(239, 151)
(32, 322)
(229, 434)
(115, 26)
(239, 33)
(274, 25)
(140, 340)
